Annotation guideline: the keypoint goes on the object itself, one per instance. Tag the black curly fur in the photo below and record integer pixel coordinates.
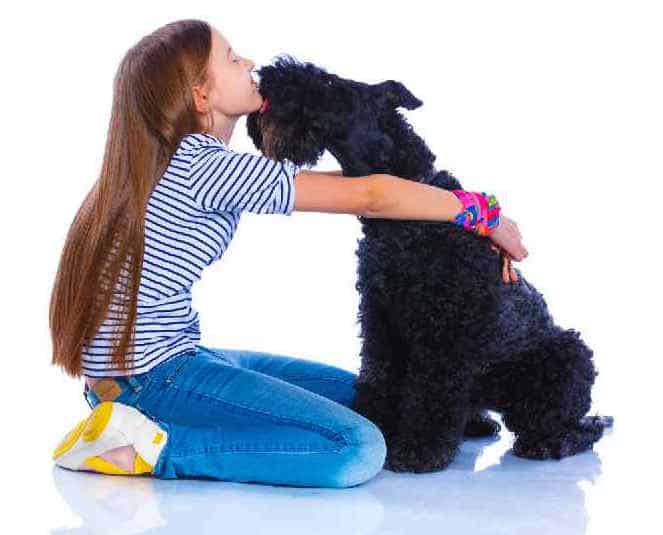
(443, 338)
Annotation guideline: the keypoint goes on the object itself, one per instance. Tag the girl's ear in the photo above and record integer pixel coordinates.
(200, 99)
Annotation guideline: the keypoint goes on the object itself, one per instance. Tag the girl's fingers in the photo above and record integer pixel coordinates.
(506, 264)
(508, 271)
(514, 275)
(505, 268)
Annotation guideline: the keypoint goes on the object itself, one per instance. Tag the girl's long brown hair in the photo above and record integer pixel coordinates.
(100, 266)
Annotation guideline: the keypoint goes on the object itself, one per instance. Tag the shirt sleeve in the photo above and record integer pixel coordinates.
(226, 180)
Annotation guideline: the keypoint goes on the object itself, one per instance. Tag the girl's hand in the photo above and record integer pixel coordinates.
(507, 237)
(508, 273)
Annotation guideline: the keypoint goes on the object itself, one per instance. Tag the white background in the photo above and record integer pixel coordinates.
(553, 106)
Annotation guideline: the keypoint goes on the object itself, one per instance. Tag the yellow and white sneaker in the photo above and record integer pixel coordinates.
(111, 425)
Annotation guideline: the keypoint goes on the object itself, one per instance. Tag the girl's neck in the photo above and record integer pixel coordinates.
(223, 129)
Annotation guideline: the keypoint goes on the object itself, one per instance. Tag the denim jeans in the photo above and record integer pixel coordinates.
(249, 416)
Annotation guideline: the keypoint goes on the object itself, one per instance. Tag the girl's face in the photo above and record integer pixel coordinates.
(230, 91)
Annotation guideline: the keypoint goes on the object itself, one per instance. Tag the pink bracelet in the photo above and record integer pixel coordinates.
(480, 213)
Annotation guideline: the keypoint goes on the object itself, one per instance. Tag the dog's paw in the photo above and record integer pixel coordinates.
(579, 438)
(597, 421)
(480, 424)
(410, 456)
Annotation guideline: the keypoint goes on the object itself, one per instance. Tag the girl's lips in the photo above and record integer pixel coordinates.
(265, 106)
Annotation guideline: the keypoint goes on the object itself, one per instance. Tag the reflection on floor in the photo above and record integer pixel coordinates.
(486, 490)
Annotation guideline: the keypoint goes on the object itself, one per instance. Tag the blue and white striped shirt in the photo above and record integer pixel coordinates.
(191, 216)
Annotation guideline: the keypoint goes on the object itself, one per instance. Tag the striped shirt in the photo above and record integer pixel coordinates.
(191, 216)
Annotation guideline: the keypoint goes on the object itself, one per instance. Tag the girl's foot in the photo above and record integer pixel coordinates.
(122, 457)
(114, 439)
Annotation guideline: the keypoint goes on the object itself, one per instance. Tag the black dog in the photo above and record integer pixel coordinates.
(444, 339)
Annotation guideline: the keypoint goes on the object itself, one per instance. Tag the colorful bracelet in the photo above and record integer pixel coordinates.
(480, 214)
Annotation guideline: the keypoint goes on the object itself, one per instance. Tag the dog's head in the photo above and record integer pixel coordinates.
(307, 110)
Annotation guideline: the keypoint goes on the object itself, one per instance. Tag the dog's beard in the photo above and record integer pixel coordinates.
(267, 137)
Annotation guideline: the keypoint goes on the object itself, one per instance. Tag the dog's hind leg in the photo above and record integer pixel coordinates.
(548, 393)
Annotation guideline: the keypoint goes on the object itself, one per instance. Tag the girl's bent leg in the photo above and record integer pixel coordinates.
(323, 379)
(235, 424)
(303, 460)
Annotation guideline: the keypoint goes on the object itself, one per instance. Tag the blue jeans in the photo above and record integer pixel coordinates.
(249, 416)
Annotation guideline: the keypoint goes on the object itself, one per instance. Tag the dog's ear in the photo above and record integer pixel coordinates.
(394, 94)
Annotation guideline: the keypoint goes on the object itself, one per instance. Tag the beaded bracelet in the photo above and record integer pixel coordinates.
(480, 214)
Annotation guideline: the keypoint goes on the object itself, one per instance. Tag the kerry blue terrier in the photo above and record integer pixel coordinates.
(444, 339)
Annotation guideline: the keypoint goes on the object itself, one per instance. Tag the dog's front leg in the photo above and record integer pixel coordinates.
(382, 365)
(433, 413)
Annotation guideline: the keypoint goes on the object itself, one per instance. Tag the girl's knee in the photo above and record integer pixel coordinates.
(362, 455)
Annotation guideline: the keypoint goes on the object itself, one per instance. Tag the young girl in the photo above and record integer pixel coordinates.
(167, 202)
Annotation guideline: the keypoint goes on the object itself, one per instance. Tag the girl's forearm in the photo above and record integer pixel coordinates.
(399, 198)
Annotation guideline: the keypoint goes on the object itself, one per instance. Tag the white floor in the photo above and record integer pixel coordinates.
(485, 490)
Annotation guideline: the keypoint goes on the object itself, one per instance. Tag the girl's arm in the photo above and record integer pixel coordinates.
(398, 198)
(373, 196)
(390, 197)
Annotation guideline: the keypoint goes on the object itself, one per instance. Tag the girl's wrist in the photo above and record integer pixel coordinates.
(480, 212)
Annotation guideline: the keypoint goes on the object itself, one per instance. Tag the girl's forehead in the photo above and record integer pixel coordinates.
(219, 47)
(220, 40)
